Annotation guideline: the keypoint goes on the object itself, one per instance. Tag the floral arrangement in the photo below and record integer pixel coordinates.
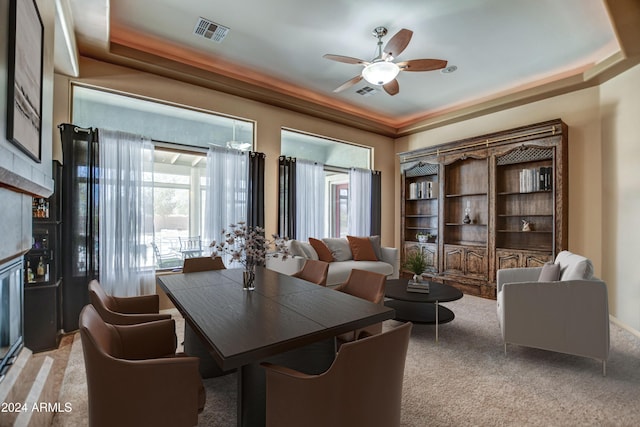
(248, 246)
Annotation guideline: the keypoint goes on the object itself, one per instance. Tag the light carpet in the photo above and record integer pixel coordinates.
(463, 380)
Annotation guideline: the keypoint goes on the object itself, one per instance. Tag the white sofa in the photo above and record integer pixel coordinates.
(339, 270)
(567, 314)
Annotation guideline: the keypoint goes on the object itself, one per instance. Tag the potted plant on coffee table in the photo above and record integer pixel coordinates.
(416, 264)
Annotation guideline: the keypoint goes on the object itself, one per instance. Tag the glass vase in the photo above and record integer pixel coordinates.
(249, 278)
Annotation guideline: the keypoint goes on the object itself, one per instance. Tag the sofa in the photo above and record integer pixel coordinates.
(559, 307)
(343, 261)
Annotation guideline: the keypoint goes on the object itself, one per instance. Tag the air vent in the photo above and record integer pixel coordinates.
(367, 91)
(210, 30)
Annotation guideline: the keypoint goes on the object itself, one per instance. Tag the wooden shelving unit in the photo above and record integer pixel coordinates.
(500, 181)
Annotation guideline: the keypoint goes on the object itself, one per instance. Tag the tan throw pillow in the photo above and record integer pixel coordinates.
(362, 249)
(324, 254)
(550, 273)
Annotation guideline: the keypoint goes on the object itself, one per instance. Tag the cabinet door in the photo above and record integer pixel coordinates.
(507, 259)
(535, 259)
(430, 253)
(476, 263)
(453, 259)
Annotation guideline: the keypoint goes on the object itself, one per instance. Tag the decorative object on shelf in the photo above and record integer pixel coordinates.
(425, 237)
(526, 225)
(248, 247)
(467, 214)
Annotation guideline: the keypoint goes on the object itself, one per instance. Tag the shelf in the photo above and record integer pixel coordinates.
(421, 216)
(422, 199)
(465, 195)
(520, 193)
(524, 232)
(420, 228)
(473, 243)
(525, 248)
(461, 224)
(522, 215)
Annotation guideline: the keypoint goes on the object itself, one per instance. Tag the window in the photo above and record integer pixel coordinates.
(337, 158)
(181, 137)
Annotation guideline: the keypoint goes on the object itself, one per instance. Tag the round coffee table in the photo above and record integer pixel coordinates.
(420, 307)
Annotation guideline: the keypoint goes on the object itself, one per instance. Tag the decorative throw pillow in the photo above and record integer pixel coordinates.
(550, 272)
(295, 249)
(339, 248)
(308, 250)
(375, 242)
(362, 249)
(324, 254)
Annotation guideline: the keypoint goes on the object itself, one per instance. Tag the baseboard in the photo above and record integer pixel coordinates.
(624, 326)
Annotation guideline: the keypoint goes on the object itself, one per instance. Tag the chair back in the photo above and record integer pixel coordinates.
(203, 263)
(365, 284)
(314, 271)
(100, 300)
(363, 387)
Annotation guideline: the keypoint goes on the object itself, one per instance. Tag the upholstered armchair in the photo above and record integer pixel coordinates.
(314, 271)
(125, 310)
(363, 386)
(134, 377)
(559, 307)
(366, 285)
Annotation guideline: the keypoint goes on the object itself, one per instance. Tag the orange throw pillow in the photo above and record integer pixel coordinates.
(324, 254)
(362, 249)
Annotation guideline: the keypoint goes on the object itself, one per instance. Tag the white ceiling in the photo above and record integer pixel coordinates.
(499, 46)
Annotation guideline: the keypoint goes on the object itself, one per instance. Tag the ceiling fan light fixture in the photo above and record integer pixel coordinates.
(380, 73)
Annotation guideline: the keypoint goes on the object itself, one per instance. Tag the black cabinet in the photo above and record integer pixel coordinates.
(42, 281)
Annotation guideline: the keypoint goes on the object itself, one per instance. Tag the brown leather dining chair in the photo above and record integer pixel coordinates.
(366, 285)
(203, 263)
(314, 271)
(363, 386)
(125, 310)
(134, 377)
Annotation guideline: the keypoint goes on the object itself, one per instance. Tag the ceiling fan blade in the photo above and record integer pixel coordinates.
(348, 83)
(398, 43)
(392, 87)
(345, 59)
(422, 64)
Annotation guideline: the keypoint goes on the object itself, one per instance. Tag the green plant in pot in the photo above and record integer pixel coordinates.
(415, 263)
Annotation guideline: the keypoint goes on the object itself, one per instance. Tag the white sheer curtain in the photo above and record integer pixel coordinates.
(126, 213)
(359, 202)
(310, 185)
(227, 190)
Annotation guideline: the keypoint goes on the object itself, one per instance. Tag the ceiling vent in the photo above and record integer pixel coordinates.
(210, 30)
(367, 91)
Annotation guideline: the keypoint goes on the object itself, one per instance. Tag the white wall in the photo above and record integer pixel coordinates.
(620, 116)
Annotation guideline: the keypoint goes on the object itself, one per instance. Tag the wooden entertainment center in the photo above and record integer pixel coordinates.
(480, 204)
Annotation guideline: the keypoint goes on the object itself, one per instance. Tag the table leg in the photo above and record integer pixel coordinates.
(437, 320)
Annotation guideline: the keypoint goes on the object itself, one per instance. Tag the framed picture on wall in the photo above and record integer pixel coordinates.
(24, 109)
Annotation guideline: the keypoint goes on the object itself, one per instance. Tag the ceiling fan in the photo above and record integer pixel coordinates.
(381, 70)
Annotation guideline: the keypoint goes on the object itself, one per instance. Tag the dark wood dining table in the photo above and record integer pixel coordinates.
(278, 321)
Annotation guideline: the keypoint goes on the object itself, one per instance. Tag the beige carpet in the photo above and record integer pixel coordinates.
(465, 379)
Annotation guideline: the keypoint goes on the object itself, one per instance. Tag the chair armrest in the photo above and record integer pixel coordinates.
(283, 370)
(148, 340)
(130, 319)
(512, 275)
(140, 304)
(390, 256)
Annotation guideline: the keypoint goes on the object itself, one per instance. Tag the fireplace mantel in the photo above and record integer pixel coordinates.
(19, 174)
